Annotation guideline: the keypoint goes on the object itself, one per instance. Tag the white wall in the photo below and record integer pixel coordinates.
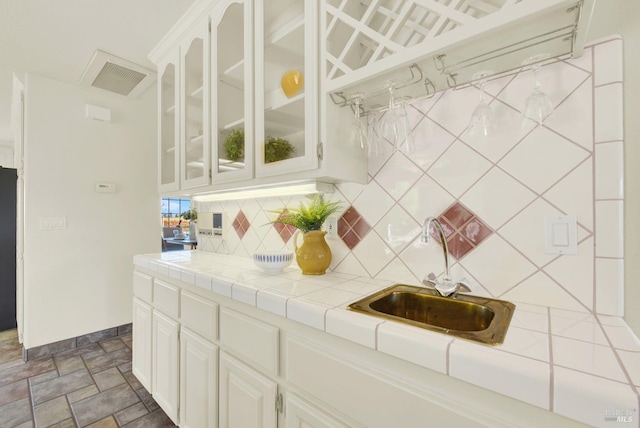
(6, 78)
(78, 280)
(6, 154)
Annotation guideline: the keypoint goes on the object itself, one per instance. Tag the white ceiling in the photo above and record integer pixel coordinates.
(56, 38)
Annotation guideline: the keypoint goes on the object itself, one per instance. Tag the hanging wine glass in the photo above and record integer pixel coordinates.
(375, 143)
(359, 129)
(537, 107)
(482, 122)
(390, 119)
(405, 140)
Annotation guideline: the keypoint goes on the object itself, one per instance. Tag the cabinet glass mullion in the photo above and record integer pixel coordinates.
(232, 94)
(195, 137)
(168, 155)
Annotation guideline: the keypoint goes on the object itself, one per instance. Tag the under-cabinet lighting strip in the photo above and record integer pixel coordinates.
(279, 189)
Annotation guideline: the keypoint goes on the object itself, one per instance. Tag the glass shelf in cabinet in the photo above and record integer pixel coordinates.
(229, 165)
(277, 99)
(197, 93)
(233, 125)
(284, 29)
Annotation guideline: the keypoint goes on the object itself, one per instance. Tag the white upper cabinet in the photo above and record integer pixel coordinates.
(286, 64)
(195, 138)
(232, 91)
(168, 124)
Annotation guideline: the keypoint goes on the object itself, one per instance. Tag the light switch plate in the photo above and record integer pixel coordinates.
(561, 234)
(53, 223)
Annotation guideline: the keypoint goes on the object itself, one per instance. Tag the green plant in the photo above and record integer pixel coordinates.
(277, 149)
(234, 145)
(308, 217)
(191, 214)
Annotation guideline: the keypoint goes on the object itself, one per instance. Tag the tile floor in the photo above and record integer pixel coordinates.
(90, 386)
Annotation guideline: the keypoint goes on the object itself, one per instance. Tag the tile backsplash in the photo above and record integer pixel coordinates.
(491, 194)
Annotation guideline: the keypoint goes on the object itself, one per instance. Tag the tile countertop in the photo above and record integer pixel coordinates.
(580, 365)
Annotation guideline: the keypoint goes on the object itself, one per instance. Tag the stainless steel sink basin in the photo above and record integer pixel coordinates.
(470, 317)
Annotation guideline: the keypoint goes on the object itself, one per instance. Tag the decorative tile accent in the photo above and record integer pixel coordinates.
(352, 227)
(463, 229)
(241, 224)
(285, 231)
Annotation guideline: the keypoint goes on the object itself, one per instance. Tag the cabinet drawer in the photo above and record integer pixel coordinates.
(256, 341)
(143, 287)
(200, 315)
(166, 298)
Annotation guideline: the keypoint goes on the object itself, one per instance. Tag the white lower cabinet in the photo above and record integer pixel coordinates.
(302, 414)
(198, 381)
(213, 362)
(164, 381)
(247, 398)
(141, 342)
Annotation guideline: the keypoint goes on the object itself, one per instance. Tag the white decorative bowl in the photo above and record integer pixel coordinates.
(273, 261)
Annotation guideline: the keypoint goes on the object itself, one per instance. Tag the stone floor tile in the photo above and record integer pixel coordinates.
(147, 399)
(83, 393)
(126, 367)
(10, 350)
(131, 413)
(108, 422)
(108, 379)
(34, 380)
(14, 392)
(52, 412)
(112, 344)
(28, 424)
(127, 340)
(49, 379)
(11, 335)
(133, 380)
(111, 359)
(13, 363)
(26, 370)
(99, 406)
(157, 419)
(67, 423)
(15, 413)
(69, 364)
(49, 389)
(83, 351)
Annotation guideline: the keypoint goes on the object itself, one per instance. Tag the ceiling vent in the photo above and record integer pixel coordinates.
(114, 74)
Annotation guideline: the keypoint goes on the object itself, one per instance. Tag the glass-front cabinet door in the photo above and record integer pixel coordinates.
(232, 95)
(286, 86)
(195, 108)
(168, 125)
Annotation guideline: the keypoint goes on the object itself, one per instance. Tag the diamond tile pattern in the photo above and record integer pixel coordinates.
(241, 224)
(285, 231)
(464, 231)
(352, 228)
(490, 194)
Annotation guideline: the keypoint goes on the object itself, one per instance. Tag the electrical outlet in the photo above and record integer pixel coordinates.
(331, 226)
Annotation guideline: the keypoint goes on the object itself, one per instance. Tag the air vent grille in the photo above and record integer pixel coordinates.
(117, 75)
(118, 79)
